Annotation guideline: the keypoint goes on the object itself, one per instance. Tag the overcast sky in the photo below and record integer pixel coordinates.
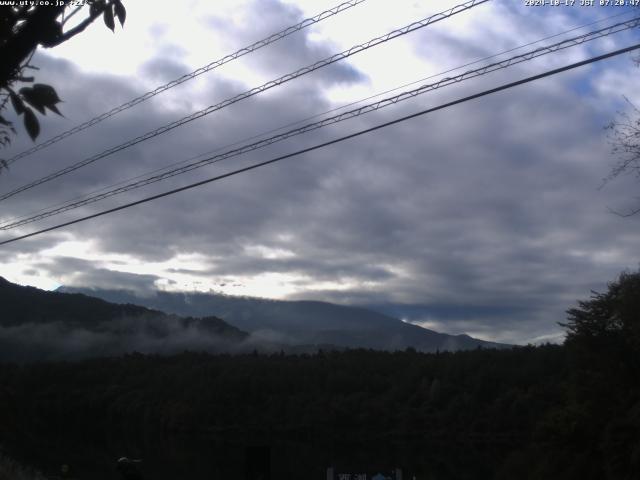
(485, 218)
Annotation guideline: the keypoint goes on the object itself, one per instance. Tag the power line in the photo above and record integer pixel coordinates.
(338, 118)
(300, 121)
(254, 91)
(5, 223)
(9, 222)
(571, 42)
(331, 142)
(204, 69)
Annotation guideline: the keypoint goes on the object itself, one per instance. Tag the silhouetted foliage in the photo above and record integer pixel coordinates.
(24, 27)
(604, 345)
(624, 137)
(607, 318)
(483, 399)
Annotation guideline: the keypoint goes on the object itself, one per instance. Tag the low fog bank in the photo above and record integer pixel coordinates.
(164, 335)
(153, 334)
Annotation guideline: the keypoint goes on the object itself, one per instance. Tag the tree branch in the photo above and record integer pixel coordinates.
(78, 28)
(630, 213)
(68, 17)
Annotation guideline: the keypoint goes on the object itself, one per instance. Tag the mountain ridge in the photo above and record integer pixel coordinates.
(43, 325)
(299, 321)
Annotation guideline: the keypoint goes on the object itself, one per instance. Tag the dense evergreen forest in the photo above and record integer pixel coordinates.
(570, 411)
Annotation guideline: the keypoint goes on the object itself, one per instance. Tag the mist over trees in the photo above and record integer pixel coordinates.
(37, 325)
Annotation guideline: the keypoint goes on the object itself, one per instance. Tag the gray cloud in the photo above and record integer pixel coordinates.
(491, 204)
(266, 17)
(76, 271)
(160, 70)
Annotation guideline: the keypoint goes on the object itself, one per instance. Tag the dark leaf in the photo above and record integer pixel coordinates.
(31, 123)
(32, 99)
(54, 109)
(50, 34)
(95, 8)
(4, 121)
(108, 18)
(18, 104)
(47, 93)
(41, 96)
(121, 12)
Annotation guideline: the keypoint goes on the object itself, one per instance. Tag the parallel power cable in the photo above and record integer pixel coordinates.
(331, 142)
(579, 40)
(204, 69)
(303, 120)
(254, 91)
(306, 119)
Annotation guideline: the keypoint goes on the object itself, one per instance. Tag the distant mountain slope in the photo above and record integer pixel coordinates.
(300, 322)
(22, 304)
(40, 325)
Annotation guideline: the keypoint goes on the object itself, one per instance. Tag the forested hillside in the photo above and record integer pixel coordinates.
(492, 403)
(40, 325)
(553, 412)
(523, 413)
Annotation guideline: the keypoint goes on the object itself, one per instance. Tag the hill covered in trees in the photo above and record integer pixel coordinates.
(298, 322)
(522, 413)
(64, 325)
(40, 325)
